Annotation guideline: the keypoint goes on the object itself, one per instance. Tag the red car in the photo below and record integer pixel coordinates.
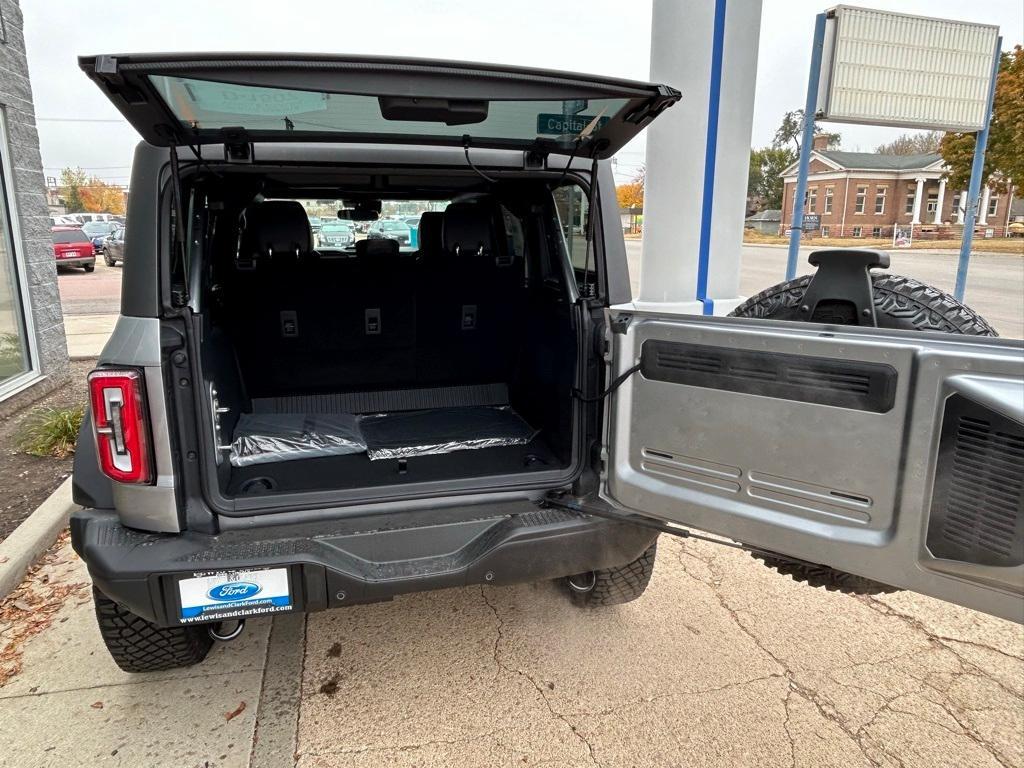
(73, 248)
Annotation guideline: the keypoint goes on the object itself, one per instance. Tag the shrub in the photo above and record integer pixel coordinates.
(51, 431)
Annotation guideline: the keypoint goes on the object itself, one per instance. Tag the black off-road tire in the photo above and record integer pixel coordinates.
(900, 302)
(107, 260)
(615, 586)
(136, 645)
(89, 267)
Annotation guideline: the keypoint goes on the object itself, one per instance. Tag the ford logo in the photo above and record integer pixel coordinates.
(235, 590)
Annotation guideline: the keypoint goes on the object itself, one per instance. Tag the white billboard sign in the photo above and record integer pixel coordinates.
(884, 68)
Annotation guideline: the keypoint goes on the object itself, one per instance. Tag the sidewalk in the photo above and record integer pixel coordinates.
(86, 334)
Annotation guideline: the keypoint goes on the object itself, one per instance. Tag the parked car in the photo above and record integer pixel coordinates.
(83, 218)
(64, 221)
(389, 229)
(1016, 229)
(113, 247)
(273, 432)
(413, 222)
(337, 234)
(73, 248)
(315, 223)
(97, 231)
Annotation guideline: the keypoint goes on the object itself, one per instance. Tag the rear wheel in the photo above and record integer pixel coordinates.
(613, 586)
(107, 259)
(137, 645)
(89, 267)
(900, 302)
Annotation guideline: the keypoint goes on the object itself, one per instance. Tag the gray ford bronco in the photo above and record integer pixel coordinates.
(283, 422)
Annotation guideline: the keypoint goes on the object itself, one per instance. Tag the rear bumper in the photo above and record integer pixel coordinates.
(356, 561)
(76, 261)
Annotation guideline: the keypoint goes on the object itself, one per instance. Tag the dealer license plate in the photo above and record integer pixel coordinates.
(222, 595)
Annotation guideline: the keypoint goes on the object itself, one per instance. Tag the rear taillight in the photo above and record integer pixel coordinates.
(119, 419)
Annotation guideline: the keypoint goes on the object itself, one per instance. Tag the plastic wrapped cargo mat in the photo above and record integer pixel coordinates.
(443, 430)
(268, 437)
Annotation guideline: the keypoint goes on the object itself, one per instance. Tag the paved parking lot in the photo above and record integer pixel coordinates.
(721, 663)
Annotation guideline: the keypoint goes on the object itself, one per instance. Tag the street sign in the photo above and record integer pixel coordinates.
(550, 124)
(884, 68)
(812, 222)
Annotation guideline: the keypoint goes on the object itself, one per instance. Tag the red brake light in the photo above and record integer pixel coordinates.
(120, 424)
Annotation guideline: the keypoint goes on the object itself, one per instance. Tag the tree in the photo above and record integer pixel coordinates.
(912, 144)
(792, 128)
(1004, 155)
(71, 182)
(100, 197)
(630, 195)
(765, 178)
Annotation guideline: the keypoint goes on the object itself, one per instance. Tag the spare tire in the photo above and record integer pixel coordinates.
(900, 303)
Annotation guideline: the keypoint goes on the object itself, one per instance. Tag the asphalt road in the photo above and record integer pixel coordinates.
(995, 282)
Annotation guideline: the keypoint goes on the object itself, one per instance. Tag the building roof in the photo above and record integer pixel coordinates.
(769, 214)
(876, 162)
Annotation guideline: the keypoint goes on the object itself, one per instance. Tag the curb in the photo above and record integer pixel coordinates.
(34, 536)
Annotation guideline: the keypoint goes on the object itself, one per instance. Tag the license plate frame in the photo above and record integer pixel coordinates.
(233, 593)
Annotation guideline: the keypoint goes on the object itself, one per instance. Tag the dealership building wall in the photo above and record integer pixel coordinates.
(33, 350)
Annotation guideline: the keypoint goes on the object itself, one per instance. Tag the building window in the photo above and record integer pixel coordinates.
(876, 232)
(933, 202)
(954, 210)
(909, 208)
(857, 231)
(14, 350)
(862, 196)
(812, 199)
(824, 229)
(993, 205)
(880, 200)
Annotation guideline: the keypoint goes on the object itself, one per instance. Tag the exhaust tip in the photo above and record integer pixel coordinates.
(215, 632)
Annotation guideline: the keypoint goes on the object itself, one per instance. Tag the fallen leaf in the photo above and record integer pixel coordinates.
(235, 712)
(97, 705)
(22, 605)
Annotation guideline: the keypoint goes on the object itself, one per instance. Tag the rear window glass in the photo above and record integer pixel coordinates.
(70, 236)
(94, 228)
(206, 104)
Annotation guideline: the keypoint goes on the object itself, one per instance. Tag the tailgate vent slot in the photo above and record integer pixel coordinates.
(977, 513)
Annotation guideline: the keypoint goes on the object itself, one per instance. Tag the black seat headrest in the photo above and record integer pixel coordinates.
(428, 234)
(376, 252)
(277, 228)
(468, 229)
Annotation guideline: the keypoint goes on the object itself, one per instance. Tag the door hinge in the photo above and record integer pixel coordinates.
(237, 145)
(620, 323)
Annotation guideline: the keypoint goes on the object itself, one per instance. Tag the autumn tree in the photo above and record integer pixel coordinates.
(631, 195)
(100, 197)
(1004, 156)
(791, 130)
(764, 180)
(72, 180)
(912, 144)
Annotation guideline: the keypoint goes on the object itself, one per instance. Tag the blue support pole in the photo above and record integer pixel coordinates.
(806, 143)
(974, 188)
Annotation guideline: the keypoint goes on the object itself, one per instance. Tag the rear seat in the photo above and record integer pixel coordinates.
(466, 306)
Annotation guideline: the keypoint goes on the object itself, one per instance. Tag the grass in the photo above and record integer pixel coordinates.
(51, 431)
(995, 245)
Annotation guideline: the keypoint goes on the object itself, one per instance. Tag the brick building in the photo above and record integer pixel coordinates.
(863, 194)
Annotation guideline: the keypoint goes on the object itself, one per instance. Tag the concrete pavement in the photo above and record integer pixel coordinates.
(721, 663)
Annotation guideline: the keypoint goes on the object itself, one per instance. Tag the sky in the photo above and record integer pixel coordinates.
(79, 127)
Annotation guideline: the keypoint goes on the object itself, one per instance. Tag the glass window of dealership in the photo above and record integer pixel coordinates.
(17, 351)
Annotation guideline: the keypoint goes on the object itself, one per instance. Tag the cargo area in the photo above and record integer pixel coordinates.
(379, 363)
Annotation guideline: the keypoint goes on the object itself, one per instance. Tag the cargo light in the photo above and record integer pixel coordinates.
(120, 425)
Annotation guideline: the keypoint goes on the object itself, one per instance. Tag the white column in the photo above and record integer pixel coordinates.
(918, 194)
(983, 209)
(939, 202)
(961, 207)
(681, 56)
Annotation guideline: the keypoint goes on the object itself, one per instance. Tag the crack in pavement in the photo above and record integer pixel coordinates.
(499, 636)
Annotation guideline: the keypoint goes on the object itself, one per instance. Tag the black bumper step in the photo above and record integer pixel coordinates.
(358, 560)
